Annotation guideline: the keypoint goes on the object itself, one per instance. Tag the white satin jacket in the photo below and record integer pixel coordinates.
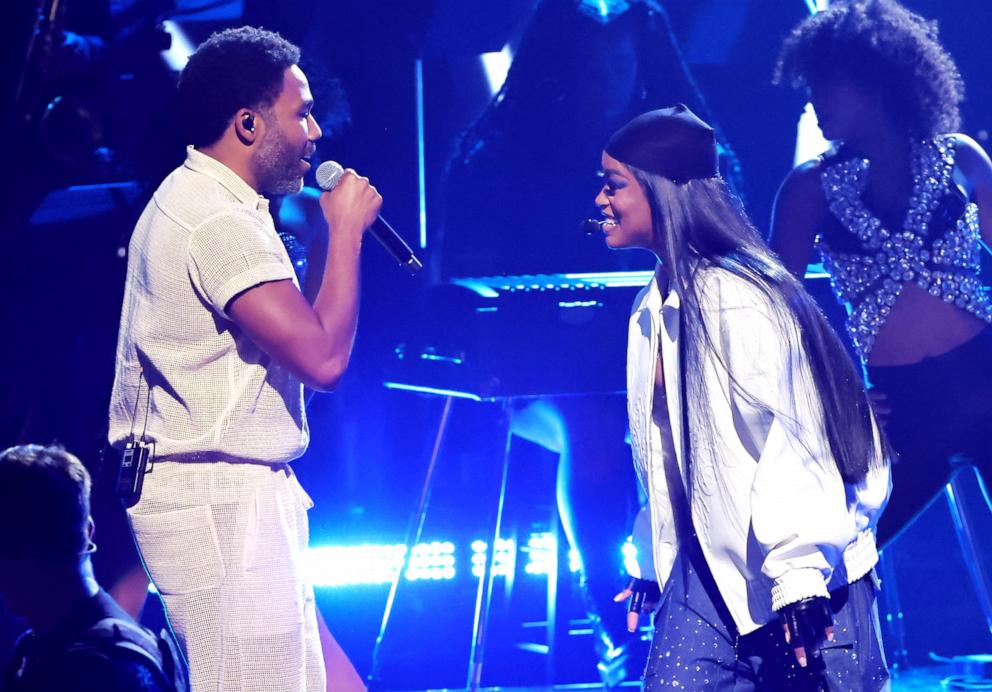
(775, 520)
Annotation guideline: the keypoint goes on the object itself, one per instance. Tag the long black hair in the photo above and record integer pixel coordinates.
(700, 224)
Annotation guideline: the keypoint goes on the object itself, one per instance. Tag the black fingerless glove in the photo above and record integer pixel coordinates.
(807, 621)
(642, 591)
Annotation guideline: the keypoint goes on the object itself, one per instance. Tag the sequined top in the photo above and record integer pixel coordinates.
(938, 246)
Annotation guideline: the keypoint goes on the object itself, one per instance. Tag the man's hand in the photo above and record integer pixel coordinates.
(644, 595)
(807, 624)
(352, 205)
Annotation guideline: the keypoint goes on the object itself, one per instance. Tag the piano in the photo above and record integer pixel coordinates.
(497, 337)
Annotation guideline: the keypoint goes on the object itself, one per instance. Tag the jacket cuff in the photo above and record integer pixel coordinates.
(860, 556)
(797, 584)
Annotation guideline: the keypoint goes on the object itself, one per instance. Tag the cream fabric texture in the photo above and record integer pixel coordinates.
(221, 524)
(225, 544)
(186, 375)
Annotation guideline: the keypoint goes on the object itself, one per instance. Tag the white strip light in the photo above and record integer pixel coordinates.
(379, 564)
(369, 564)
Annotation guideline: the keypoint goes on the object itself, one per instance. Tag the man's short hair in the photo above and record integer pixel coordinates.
(233, 69)
(44, 503)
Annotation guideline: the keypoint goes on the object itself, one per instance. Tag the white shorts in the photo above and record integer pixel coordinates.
(224, 544)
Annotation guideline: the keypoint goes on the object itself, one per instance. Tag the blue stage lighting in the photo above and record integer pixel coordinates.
(354, 565)
(604, 11)
(629, 551)
(496, 67)
(505, 557)
(434, 561)
(542, 551)
(378, 564)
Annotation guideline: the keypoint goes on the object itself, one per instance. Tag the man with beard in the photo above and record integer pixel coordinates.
(216, 343)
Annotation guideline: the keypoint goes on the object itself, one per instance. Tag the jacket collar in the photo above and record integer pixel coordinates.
(231, 181)
(655, 301)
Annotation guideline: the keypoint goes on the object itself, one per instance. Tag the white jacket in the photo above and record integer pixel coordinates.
(774, 518)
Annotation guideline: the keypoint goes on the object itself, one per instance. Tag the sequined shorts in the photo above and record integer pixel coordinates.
(696, 646)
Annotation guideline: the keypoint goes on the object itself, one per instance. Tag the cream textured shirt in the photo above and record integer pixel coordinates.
(186, 375)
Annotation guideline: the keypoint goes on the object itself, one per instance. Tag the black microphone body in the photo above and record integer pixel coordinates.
(591, 226)
(328, 176)
(395, 245)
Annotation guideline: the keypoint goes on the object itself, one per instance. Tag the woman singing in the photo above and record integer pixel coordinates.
(752, 436)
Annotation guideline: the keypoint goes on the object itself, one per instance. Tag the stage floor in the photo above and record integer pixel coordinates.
(915, 680)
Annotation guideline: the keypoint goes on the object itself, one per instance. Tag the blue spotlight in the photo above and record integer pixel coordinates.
(604, 11)
(629, 551)
(435, 561)
(496, 66)
(354, 565)
(505, 557)
(542, 551)
(377, 564)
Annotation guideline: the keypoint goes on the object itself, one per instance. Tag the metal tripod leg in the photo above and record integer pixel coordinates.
(484, 594)
(414, 531)
(970, 508)
(892, 618)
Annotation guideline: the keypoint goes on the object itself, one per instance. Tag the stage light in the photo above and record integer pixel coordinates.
(574, 561)
(542, 553)
(810, 142)
(497, 66)
(177, 55)
(379, 564)
(629, 551)
(372, 564)
(604, 11)
(432, 390)
(505, 557)
(434, 561)
(354, 565)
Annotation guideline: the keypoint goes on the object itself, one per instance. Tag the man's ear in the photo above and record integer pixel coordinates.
(247, 125)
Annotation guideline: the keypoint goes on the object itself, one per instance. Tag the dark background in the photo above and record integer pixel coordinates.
(63, 266)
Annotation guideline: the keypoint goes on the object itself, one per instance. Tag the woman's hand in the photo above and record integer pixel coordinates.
(644, 595)
(807, 624)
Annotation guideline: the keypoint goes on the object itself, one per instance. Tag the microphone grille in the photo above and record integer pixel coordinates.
(591, 226)
(329, 174)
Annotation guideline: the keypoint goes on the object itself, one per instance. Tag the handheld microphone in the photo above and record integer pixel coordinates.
(328, 176)
(591, 226)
